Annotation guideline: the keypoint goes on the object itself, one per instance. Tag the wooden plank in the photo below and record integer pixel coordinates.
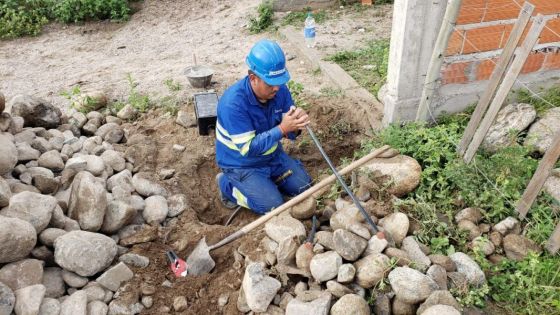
(497, 75)
(553, 244)
(434, 68)
(543, 171)
(520, 57)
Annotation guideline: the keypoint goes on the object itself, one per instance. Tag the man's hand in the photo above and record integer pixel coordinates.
(295, 119)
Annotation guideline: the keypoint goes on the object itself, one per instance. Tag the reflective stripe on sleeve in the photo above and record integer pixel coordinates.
(272, 149)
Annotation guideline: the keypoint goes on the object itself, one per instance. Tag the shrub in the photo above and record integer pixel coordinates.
(263, 20)
(69, 11)
(22, 17)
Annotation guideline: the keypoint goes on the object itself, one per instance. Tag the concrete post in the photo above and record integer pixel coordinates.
(416, 24)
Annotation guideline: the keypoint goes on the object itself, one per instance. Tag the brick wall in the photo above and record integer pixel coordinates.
(483, 27)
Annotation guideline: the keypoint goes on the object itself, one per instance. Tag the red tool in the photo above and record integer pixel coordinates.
(177, 265)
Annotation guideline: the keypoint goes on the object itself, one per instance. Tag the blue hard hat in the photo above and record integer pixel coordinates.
(266, 59)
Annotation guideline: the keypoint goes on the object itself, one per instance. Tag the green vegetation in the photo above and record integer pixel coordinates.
(263, 20)
(171, 102)
(552, 96)
(80, 102)
(296, 89)
(331, 92)
(27, 17)
(298, 18)
(493, 183)
(368, 65)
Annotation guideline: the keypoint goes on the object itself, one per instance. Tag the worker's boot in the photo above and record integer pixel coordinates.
(225, 201)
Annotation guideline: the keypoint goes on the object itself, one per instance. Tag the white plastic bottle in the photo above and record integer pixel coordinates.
(309, 31)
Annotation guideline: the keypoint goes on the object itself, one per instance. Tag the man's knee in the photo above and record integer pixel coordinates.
(266, 203)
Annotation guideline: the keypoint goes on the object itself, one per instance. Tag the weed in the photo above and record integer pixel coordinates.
(172, 85)
(80, 102)
(551, 99)
(340, 129)
(368, 65)
(317, 71)
(331, 92)
(136, 99)
(170, 103)
(296, 89)
(298, 18)
(263, 20)
(471, 296)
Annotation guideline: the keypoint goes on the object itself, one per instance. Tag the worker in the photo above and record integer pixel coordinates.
(254, 114)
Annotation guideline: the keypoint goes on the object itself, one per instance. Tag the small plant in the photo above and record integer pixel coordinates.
(331, 92)
(296, 89)
(298, 18)
(172, 85)
(471, 296)
(263, 20)
(551, 99)
(317, 71)
(340, 129)
(170, 103)
(81, 102)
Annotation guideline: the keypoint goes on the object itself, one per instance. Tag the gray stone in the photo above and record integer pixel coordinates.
(156, 209)
(95, 292)
(43, 253)
(469, 268)
(146, 187)
(517, 247)
(375, 245)
(472, 214)
(304, 254)
(110, 132)
(115, 276)
(21, 274)
(242, 302)
(382, 305)
(17, 239)
(470, 227)
(441, 309)
(401, 171)
(325, 238)
(179, 303)
(127, 112)
(319, 306)
(420, 260)
(361, 230)
(166, 173)
(507, 225)
(542, 132)
(178, 148)
(325, 266)
(305, 209)
(396, 224)
(439, 275)
(337, 289)
(32, 207)
(51, 160)
(281, 227)
(112, 119)
(56, 143)
(308, 295)
(7, 299)
(135, 260)
(439, 297)
(483, 245)
(118, 214)
(401, 307)
(259, 288)
(75, 304)
(26, 152)
(348, 245)
(346, 273)
(16, 125)
(88, 202)
(35, 111)
(350, 304)
(53, 282)
(457, 281)
(9, 154)
(5, 193)
(551, 185)
(177, 204)
(286, 252)
(49, 306)
(114, 160)
(97, 308)
(371, 269)
(25, 136)
(443, 261)
(95, 164)
(148, 301)
(183, 119)
(46, 185)
(122, 179)
(48, 236)
(28, 299)
(511, 118)
(43, 145)
(73, 280)
(79, 119)
(410, 285)
(346, 217)
(84, 253)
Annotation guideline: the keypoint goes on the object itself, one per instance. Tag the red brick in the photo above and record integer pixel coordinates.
(484, 69)
(533, 63)
(552, 61)
(455, 73)
(546, 6)
(501, 10)
(471, 13)
(455, 43)
(548, 34)
(484, 39)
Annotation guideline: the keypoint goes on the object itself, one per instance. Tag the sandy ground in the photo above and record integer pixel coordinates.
(158, 44)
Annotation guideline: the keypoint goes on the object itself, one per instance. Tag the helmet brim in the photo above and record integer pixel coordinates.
(279, 80)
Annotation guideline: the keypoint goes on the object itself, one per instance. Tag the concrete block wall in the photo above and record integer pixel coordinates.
(481, 32)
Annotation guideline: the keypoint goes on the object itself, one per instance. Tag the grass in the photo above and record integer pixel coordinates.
(263, 20)
(551, 97)
(493, 183)
(368, 65)
(298, 18)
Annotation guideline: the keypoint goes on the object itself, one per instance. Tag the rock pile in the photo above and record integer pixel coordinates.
(71, 205)
(340, 271)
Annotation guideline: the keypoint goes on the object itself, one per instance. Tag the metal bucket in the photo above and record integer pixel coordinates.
(199, 76)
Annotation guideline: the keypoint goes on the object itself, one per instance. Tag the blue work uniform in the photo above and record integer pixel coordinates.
(248, 150)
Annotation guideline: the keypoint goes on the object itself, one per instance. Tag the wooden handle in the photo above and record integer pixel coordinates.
(299, 198)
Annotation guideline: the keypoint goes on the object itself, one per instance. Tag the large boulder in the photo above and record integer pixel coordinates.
(36, 112)
(119, 214)
(8, 152)
(411, 286)
(17, 239)
(32, 207)
(21, 274)
(542, 132)
(88, 202)
(84, 253)
(511, 118)
(401, 171)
